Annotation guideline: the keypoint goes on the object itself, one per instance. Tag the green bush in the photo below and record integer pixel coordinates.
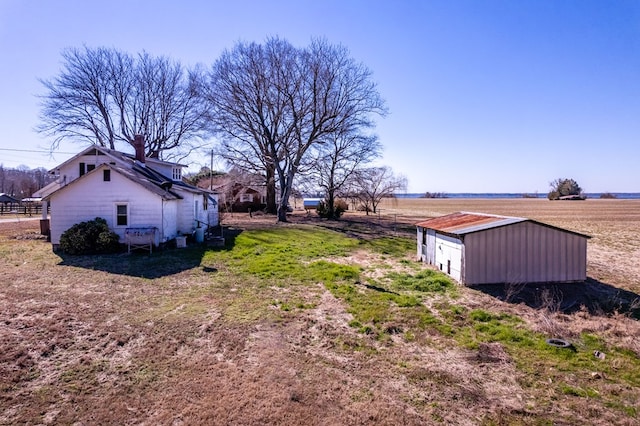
(339, 207)
(90, 237)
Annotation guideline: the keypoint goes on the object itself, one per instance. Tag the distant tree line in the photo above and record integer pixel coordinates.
(21, 182)
(434, 195)
(297, 117)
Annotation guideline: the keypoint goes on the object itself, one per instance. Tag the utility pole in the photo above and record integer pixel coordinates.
(211, 173)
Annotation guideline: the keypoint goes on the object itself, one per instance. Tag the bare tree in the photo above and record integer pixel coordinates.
(337, 160)
(371, 185)
(271, 103)
(105, 96)
(247, 108)
(22, 182)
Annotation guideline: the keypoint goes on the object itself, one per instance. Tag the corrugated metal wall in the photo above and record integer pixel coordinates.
(524, 252)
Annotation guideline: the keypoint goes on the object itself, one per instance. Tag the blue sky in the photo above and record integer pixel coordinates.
(484, 95)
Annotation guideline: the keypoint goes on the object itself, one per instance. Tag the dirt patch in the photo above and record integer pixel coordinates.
(89, 344)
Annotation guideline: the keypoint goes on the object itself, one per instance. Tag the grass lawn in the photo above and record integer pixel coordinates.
(311, 322)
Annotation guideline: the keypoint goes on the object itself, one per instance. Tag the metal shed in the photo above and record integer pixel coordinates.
(479, 248)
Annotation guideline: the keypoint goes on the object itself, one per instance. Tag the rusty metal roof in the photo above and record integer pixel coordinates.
(466, 222)
(461, 223)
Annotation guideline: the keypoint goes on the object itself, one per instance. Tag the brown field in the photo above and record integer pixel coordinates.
(614, 225)
(168, 339)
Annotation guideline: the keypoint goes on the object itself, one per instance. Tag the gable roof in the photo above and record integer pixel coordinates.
(130, 174)
(112, 153)
(127, 166)
(462, 223)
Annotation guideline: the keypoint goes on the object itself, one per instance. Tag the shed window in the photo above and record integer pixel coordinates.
(90, 167)
(83, 169)
(106, 175)
(122, 215)
(246, 198)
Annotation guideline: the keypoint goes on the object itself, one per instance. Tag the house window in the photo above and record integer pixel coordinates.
(83, 169)
(246, 198)
(205, 202)
(177, 173)
(90, 167)
(122, 214)
(106, 175)
(448, 267)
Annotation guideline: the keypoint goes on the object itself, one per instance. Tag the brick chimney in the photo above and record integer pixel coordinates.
(138, 144)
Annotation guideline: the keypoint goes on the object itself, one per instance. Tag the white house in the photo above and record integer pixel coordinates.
(478, 248)
(130, 192)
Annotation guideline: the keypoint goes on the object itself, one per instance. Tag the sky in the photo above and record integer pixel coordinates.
(483, 95)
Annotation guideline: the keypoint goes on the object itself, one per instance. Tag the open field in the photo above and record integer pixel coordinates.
(317, 322)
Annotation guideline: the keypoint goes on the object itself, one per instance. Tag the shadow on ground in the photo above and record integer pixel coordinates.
(160, 263)
(360, 227)
(597, 297)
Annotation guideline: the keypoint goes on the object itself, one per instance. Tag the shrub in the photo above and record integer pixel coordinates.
(339, 207)
(90, 237)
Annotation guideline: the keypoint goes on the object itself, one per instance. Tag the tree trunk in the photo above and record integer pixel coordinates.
(272, 207)
(331, 210)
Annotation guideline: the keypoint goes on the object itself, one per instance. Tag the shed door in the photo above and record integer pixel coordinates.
(430, 247)
(449, 256)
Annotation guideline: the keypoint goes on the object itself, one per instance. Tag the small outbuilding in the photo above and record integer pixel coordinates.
(8, 199)
(479, 248)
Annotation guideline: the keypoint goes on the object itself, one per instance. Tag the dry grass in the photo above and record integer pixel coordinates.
(89, 344)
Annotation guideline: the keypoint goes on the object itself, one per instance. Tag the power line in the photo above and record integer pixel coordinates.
(34, 150)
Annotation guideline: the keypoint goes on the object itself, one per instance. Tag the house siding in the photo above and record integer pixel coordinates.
(97, 198)
(71, 171)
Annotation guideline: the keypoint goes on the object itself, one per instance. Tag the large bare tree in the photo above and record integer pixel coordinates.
(270, 103)
(106, 96)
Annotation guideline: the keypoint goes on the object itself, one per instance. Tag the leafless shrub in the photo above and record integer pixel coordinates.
(511, 290)
(550, 299)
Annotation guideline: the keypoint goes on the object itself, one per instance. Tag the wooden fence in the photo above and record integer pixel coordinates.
(22, 209)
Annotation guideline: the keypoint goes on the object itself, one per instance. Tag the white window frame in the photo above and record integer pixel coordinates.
(116, 215)
(177, 173)
(246, 198)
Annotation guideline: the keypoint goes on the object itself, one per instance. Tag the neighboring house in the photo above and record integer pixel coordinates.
(478, 248)
(246, 198)
(128, 191)
(235, 194)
